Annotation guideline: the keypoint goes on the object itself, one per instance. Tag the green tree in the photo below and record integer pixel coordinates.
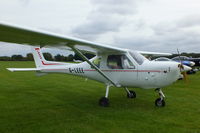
(29, 57)
(5, 58)
(59, 57)
(88, 55)
(17, 58)
(70, 57)
(48, 56)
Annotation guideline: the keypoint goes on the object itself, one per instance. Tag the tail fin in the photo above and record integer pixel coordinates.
(38, 56)
(40, 60)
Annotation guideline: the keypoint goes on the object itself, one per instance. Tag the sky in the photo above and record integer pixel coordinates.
(148, 25)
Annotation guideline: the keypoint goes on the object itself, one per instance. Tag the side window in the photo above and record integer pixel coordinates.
(114, 61)
(119, 62)
(127, 64)
(97, 61)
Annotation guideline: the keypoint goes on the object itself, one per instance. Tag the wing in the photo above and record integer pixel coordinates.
(29, 36)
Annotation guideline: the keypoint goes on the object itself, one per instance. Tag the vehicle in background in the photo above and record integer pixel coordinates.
(185, 58)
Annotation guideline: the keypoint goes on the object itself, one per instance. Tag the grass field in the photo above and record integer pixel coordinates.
(59, 103)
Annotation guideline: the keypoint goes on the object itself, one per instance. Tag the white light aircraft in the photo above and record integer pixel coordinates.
(122, 68)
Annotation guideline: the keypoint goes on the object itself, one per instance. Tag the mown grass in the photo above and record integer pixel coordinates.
(58, 103)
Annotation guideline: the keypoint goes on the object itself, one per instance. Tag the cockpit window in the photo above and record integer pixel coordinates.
(119, 62)
(114, 62)
(137, 57)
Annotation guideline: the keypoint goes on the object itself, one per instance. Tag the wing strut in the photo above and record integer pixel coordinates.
(95, 67)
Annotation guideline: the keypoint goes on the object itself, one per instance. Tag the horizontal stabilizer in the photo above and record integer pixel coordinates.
(22, 69)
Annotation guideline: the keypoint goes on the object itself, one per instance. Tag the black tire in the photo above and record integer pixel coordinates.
(131, 95)
(159, 102)
(104, 102)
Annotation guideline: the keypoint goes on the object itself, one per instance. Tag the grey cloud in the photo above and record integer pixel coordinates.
(116, 9)
(107, 16)
(24, 2)
(159, 45)
(179, 27)
(91, 29)
(189, 21)
(163, 28)
(167, 37)
(8, 49)
(111, 2)
(120, 7)
(135, 43)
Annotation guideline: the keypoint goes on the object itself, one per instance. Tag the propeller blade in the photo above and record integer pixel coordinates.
(185, 77)
(183, 68)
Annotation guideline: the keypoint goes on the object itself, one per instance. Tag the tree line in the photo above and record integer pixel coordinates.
(193, 55)
(71, 57)
(47, 56)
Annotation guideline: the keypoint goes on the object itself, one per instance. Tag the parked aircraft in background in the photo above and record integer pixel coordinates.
(112, 66)
(184, 62)
(191, 61)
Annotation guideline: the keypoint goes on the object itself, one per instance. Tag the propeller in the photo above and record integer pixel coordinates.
(183, 68)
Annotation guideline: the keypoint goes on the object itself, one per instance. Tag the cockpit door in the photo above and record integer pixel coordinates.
(122, 69)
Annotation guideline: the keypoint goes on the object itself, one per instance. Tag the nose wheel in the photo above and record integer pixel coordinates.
(160, 102)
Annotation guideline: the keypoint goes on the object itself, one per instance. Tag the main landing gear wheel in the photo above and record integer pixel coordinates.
(131, 94)
(160, 102)
(104, 102)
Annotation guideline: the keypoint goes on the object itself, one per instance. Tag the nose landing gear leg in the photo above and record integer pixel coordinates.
(160, 102)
